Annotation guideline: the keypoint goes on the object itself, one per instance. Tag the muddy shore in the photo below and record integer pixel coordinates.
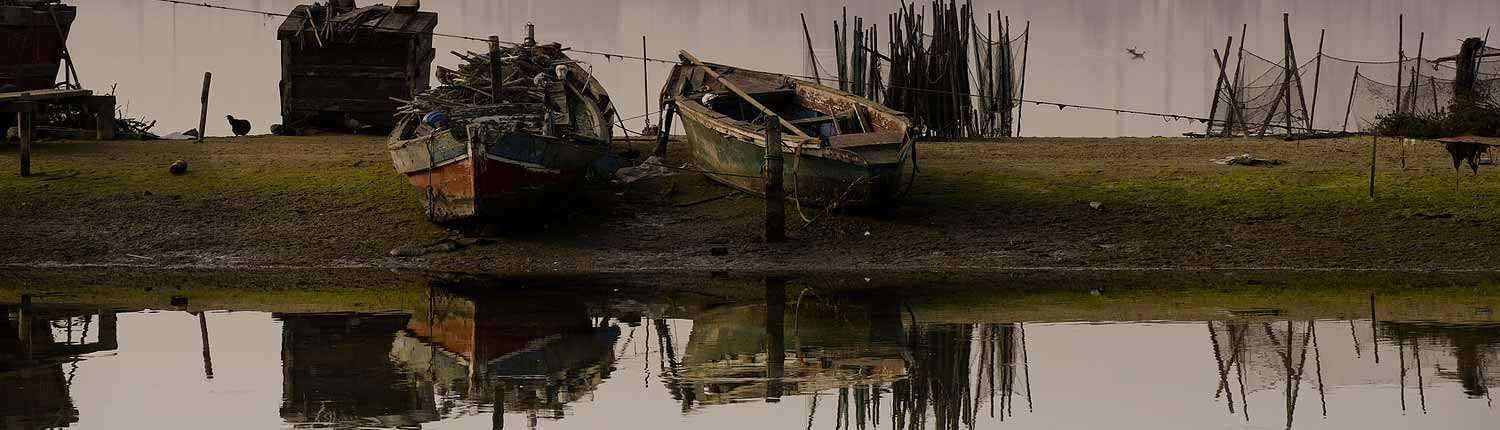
(335, 202)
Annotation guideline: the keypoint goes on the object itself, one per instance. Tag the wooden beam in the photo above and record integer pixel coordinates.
(737, 91)
(21, 96)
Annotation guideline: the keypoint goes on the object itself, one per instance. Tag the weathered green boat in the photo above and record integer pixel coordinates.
(840, 149)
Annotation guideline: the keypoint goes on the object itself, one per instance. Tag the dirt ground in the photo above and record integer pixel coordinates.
(335, 201)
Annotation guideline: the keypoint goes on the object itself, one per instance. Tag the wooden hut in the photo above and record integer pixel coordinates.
(341, 62)
(36, 33)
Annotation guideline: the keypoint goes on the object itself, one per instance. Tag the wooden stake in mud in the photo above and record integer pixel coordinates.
(497, 79)
(208, 79)
(1353, 82)
(1373, 140)
(775, 206)
(26, 131)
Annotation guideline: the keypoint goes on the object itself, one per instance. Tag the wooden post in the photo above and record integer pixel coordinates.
(1353, 82)
(25, 316)
(775, 206)
(26, 130)
(646, 79)
(666, 130)
(811, 56)
(1373, 140)
(1236, 115)
(104, 117)
(1289, 67)
(1317, 76)
(208, 79)
(1400, 57)
(1213, 107)
(1416, 70)
(497, 77)
(1025, 53)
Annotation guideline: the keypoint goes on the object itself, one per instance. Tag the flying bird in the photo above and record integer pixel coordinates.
(239, 126)
(1136, 54)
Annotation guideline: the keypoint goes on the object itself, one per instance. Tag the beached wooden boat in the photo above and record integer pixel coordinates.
(839, 149)
(36, 35)
(538, 141)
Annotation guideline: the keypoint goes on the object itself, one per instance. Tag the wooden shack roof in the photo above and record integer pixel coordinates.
(1490, 141)
(385, 20)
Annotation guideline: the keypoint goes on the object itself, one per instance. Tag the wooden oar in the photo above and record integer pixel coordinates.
(737, 91)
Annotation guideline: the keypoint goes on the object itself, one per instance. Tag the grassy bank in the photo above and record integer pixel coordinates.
(335, 202)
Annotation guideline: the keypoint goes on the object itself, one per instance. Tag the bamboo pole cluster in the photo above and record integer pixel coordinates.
(954, 79)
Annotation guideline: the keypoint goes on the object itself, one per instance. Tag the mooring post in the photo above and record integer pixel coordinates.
(497, 79)
(665, 132)
(208, 79)
(25, 131)
(775, 206)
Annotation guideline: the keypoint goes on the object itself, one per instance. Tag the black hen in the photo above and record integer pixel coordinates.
(241, 127)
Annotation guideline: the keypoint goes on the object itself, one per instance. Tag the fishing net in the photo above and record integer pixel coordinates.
(1261, 97)
(1340, 94)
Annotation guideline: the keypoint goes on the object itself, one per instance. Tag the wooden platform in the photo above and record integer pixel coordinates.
(25, 104)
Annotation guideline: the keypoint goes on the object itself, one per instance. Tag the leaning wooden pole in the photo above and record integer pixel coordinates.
(1237, 116)
(1213, 105)
(775, 229)
(208, 78)
(1416, 77)
(1317, 76)
(812, 57)
(1353, 82)
(1021, 96)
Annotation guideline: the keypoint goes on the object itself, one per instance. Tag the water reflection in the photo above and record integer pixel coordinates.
(485, 355)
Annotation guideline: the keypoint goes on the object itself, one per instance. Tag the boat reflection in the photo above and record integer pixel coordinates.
(487, 353)
(467, 352)
(878, 362)
(39, 349)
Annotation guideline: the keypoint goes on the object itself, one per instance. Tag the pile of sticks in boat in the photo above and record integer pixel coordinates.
(527, 70)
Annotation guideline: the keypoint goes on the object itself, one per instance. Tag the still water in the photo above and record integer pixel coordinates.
(776, 354)
(157, 52)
